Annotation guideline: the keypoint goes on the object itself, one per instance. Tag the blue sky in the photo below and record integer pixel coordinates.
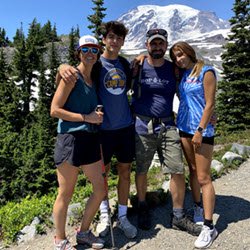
(66, 14)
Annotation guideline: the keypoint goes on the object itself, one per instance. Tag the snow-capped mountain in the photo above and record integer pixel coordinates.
(181, 22)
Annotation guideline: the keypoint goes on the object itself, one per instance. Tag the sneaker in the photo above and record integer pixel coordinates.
(103, 225)
(198, 215)
(90, 239)
(129, 230)
(144, 221)
(185, 224)
(206, 237)
(63, 245)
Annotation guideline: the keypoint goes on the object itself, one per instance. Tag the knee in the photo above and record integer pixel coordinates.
(65, 197)
(124, 174)
(204, 179)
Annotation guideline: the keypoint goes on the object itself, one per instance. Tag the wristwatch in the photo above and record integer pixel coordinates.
(200, 129)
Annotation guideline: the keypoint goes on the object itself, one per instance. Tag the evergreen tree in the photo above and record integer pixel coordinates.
(46, 31)
(96, 19)
(9, 127)
(26, 62)
(4, 41)
(77, 32)
(19, 36)
(20, 70)
(234, 90)
(55, 38)
(72, 48)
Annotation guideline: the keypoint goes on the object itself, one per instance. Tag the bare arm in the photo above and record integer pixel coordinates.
(61, 95)
(209, 84)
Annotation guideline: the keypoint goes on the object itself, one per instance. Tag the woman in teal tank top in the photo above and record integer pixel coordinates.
(77, 144)
(197, 101)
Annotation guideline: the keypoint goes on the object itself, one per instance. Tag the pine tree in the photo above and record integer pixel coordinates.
(77, 32)
(19, 36)
(72, 48)
(26, 62)
(234, 90)
(9, 127)
(96, 19)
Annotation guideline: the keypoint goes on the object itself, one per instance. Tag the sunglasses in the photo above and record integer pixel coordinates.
(161, 32)
(85, 50)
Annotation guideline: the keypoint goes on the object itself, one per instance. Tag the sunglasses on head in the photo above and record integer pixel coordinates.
(161, 32)
(85, 50)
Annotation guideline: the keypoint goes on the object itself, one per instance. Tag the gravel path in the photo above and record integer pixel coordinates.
(232, 219)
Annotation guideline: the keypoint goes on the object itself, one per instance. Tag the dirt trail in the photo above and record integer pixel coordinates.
(232, 219)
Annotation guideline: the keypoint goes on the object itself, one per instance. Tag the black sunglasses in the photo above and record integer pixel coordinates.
(85, 50)
(161, 32)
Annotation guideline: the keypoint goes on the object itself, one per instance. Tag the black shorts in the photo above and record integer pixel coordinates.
(206, 140)
(77, 148)
(119, 142)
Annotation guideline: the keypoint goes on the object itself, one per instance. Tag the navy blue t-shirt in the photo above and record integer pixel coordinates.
(158, 86)
(113, 95)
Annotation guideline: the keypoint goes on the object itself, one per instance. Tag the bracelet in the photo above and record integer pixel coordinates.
(84, 117)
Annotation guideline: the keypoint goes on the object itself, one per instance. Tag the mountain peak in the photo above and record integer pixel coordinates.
(181, 22)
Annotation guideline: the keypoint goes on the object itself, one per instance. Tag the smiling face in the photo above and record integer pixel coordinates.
(113, 42)
(157, 48)
(87, 55)
(181, 59)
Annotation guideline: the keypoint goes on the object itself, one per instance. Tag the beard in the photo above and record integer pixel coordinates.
(157, 55)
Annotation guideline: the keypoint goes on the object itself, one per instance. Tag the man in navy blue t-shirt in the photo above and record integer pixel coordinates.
(156, 131)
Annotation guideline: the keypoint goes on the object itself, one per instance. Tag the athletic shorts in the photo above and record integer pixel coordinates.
(168, 148)
(206, 140)
(119, 142)
(77, 148)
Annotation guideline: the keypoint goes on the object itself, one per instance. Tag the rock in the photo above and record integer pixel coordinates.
(216, 165)
(155, 161)
(71, 211)
(166, 185)
(232, 157)
(240, 148)
(28, 232)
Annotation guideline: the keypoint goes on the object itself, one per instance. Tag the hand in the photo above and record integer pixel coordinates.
(68, 73)
(139, 59)
(95, 117)
(197, 139)
(213, 119)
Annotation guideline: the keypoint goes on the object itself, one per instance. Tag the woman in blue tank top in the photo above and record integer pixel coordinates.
(77, 144)
(197, 101)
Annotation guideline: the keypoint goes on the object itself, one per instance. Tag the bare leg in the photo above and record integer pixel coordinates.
(177, 188)
(94, 174)
(124, 182)
(67, 177)
(141, 186)
(190, 157)
(203, 157)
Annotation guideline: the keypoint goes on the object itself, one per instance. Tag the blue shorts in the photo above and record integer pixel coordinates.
(77, 148)
(119, 142)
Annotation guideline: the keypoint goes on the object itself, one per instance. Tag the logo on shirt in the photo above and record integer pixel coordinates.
(155, 81)
(115, 81)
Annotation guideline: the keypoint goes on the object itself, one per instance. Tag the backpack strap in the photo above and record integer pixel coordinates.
(136, 72)
(127, 70)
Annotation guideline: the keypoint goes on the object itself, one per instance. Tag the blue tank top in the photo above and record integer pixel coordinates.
(83, 100)
(192, 103)
(112, 94)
